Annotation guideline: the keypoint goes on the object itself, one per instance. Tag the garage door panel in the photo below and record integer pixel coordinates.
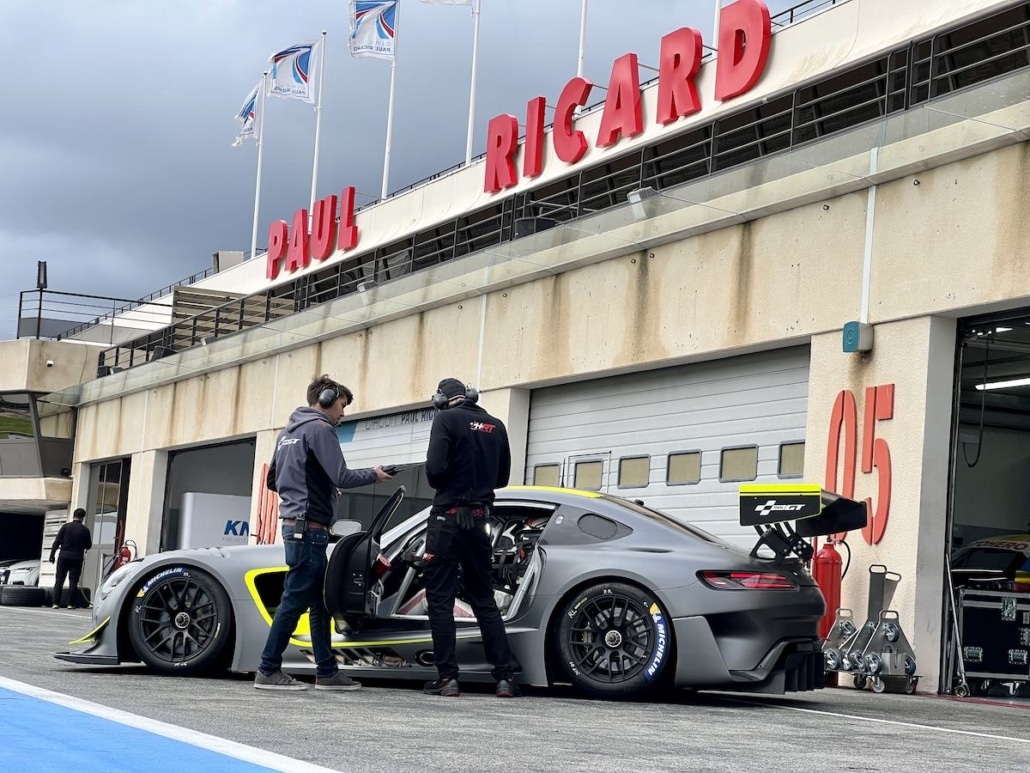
(754, 400)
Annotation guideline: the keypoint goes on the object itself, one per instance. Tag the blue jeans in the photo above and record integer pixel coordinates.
(303, 590)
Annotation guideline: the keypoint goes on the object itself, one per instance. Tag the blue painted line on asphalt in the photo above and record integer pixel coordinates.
(42, 736)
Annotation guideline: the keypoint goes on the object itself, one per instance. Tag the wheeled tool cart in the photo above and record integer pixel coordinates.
(994, 630)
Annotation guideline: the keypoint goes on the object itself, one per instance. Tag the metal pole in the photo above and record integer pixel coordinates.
(389, 114)
(260, 147)
(582, 38)
(318, 125)
(472, 91)
(715, 33)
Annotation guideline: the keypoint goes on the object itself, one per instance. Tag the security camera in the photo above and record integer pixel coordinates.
(50, 363)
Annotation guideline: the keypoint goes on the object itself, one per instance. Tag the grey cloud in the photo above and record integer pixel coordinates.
(115, 151)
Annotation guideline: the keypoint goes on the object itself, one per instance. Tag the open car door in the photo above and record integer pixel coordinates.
(770, 507)
(349, 579)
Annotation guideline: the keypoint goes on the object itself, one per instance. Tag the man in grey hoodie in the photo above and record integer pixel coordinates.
(307, 470)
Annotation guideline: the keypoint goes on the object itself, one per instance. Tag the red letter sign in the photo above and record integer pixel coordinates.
(298, 255)
(502, 140)
(278, 234)
(679, 65)
(323, 228)
(622, 115)
(570, 144)
(533, 150)
(745, 36)
(348, 230)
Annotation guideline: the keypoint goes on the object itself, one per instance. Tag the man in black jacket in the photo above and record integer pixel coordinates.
(307, 470)
(468, 458)
(73, 538)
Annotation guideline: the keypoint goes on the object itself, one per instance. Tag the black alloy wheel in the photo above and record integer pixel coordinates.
(614, 640)
(179, 622)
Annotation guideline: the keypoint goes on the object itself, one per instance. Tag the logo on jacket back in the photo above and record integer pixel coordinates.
(479, 426)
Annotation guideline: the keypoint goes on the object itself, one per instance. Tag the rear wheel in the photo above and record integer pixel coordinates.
(179, 621)
(615, 640)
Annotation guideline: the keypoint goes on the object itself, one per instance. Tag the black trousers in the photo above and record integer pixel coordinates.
(447, 548)
(72, 568)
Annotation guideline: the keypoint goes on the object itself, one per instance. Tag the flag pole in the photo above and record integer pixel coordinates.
(715, 38)
(318, 124)
(582, 38)
(260, 149)
(475, 67)
(389, 113)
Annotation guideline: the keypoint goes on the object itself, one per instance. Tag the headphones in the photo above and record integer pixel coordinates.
(329, 395)
(440, 400)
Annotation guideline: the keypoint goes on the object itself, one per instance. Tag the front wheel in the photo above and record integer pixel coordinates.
(179, 621)
(614, 640)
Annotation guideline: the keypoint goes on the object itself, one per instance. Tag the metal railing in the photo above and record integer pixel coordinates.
(49, 314)
(899, 80)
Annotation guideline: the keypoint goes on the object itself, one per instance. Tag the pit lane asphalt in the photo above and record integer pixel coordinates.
(391, 726)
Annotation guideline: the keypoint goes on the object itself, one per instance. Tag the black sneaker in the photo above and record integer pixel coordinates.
(448, 688)
(506, 688)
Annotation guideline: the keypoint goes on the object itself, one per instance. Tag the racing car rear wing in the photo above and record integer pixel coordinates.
(769, 507)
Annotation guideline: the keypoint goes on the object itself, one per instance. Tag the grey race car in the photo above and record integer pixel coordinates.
(595, 590)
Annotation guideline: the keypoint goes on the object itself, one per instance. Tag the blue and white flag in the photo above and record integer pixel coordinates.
(293, 71)
(373, 30)
(248, 117)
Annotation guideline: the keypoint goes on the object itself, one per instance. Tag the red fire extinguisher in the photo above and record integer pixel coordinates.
(826, 570)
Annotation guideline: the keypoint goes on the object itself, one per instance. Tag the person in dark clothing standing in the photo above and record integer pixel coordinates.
(307, 469)
(74, 539)
(468, 458)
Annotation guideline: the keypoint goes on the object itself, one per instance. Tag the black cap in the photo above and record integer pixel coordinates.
(451, 387)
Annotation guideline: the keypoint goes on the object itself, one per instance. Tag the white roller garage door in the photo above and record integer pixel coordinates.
(693, 433)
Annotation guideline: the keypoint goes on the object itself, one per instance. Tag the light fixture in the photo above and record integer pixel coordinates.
(1016, 382)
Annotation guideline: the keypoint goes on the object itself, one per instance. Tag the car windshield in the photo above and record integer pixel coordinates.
(988, 560)
(666, 519)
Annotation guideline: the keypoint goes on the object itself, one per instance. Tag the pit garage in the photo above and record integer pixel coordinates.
(680, 439)
(990, 519)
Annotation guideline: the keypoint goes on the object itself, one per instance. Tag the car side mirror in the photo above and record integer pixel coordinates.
(342, 528)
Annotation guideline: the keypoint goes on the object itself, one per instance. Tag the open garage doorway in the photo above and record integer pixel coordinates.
(208, 495)
(990, 517)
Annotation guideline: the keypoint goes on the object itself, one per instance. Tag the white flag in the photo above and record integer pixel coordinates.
(293, 72)
(248, 118)
(373, 30)
(448, 2)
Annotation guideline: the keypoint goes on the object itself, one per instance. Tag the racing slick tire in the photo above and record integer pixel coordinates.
(614, 640)
(21, 596)
(180, 620)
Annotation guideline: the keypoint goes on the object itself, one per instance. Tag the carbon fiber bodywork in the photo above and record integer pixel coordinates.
(559, 555)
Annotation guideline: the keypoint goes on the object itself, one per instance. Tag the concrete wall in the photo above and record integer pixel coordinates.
(23, 365)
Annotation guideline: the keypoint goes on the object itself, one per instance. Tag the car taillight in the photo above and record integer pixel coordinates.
(747, 581)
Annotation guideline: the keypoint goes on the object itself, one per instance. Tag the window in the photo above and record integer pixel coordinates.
(588, 475)
(547, 475)
(738, 464)
(634, 471)
(792, 460)
(19, 452)
(684, 467)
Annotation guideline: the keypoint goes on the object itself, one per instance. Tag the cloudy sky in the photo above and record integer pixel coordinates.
(115, 140)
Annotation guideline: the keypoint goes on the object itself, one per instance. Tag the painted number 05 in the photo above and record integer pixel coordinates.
(879, 406)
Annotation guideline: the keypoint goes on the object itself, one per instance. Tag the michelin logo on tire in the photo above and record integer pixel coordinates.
(662, 644)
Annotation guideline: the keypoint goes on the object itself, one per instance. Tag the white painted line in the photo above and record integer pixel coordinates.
(886, 721)
(202, 740)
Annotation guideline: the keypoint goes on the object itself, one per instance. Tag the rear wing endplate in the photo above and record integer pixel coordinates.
(769, 507)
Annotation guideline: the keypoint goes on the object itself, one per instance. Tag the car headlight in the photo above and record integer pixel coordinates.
(116, 578)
